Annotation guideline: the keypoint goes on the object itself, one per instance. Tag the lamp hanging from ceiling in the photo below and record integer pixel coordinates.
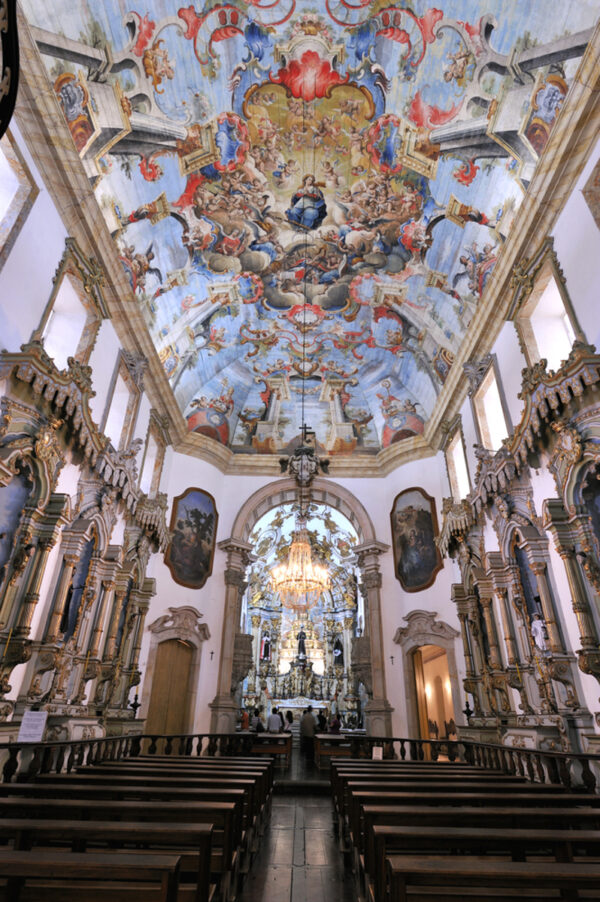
(299, 581)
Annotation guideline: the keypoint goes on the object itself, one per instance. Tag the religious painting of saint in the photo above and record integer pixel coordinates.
(189, 557)
(414, 528)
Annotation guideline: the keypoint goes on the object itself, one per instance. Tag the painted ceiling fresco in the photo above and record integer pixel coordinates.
(309, 198)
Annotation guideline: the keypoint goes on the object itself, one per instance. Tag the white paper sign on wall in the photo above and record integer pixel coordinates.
(377, 753)
(32, 726)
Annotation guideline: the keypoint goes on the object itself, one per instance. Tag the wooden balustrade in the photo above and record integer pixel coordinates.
(23, 761)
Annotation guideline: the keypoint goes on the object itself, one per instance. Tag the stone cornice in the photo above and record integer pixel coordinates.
(39, 117)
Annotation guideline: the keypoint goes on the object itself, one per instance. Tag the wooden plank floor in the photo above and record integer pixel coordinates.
(299, 860)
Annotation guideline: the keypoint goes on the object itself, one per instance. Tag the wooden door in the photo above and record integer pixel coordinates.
(168, 711)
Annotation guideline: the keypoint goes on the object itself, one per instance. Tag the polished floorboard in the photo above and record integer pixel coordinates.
(299, 860)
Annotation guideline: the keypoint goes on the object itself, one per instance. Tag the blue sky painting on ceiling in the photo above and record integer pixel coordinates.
(310, 198)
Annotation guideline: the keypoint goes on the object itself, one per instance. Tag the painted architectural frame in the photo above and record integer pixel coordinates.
(417, 559)
(193, 525)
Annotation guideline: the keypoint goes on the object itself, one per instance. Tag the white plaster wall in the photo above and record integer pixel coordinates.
(577, 245)
(180, 473)
(26, 277)
(377, 495)
(510, 363)
(141, 428)
(103, 360)
(230, 493)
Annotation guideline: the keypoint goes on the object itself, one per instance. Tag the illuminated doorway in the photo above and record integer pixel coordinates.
(434, 693)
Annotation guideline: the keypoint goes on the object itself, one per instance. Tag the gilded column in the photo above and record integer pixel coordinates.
(108, 594)
(488, 616)
(111, 638)
(556, 645)
(60, 598)
(32, 594)
(581, 606)
(507, 627)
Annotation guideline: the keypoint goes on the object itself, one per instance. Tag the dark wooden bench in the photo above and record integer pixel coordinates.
(415, 771)
(188, 840)
(67, 875)
(480, 879)
(516, 844)
(277, 745)
(257, 780)
(148, 786)
(261, 773)
(350, 784)
(223, 815)
(481, 798)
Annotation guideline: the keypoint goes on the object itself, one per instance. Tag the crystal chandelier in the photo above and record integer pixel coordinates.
(299, 582)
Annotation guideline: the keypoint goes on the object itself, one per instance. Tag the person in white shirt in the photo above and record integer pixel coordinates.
(274, 722)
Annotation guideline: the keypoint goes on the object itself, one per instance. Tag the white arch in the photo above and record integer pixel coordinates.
(285, 491)
(235, 653)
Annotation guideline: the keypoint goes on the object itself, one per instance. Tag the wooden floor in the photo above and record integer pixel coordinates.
(299, 860)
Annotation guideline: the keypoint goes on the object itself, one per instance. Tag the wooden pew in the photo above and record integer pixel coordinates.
(25, 833)
(481, 820)
(210, 788)
(260, 771)
(64, 876)
(386, 840)
(521, 799)
(260, 777)
(401, 780)
(273, 744)
(121, 785)
(473, 875)
(223, 815)
(415, 770)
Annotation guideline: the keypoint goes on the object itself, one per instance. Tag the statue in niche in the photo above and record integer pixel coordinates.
(301, 637)
(338, 652)
(538, 632)
(265, 647)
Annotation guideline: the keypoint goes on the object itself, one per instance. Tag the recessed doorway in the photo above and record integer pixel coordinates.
(434, 693)
(169, 708)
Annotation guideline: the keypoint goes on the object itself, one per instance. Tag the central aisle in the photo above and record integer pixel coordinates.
(299, 860)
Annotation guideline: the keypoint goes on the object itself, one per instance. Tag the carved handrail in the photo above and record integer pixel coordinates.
(574, 770)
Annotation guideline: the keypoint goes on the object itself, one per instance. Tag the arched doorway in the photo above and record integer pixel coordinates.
(302, 657)
(236, 647)
(425, 641)
(170, 694)
(433, 693)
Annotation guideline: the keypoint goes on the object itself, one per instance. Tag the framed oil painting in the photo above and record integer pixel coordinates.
(190, 555)
(414, 528)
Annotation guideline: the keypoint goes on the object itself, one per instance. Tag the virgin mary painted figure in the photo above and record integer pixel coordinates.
(308, 208)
